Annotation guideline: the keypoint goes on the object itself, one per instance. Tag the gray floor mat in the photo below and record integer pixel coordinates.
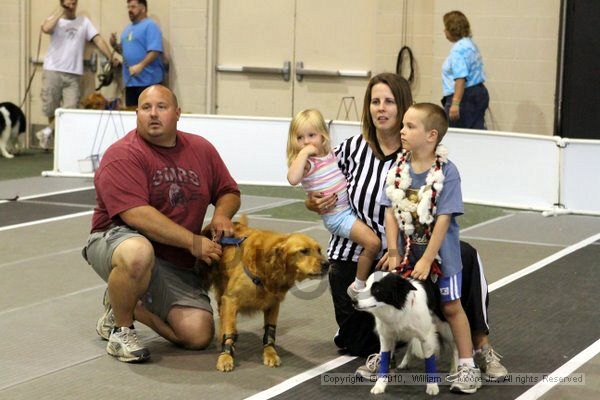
(541, 320)
(50, 300)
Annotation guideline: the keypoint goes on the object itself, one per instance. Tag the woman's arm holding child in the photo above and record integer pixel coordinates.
(391, 233)
(298, 167)
(423, 266)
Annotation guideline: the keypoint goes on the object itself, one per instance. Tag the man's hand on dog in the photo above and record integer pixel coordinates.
(205, 249)
(219, 226)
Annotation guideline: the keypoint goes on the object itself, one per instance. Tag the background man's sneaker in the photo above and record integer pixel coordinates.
(371, 366)
(43, 136)
(106, 323)
(124, 344)
(488, 362)
(466, 380)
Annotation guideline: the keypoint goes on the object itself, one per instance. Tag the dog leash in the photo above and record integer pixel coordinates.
(406, 270)
(14, 198)
(34, 70)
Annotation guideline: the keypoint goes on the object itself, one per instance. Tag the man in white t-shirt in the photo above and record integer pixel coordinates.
(63, 63)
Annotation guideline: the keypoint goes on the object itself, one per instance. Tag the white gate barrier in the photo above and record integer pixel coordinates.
(497, 168)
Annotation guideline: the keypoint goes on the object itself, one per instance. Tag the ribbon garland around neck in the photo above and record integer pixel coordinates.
(399, 181)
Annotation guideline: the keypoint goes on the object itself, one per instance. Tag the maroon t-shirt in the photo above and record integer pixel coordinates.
(179, 181)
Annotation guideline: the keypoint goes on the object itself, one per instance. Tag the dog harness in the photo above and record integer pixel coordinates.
(233, 241)
(255, 279)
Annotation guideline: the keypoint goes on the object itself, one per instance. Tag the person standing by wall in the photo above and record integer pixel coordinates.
(63, 64)
(465, 96)
(141, 47)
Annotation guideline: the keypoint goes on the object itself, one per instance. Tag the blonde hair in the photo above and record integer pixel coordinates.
(315, 119)
(434, 118)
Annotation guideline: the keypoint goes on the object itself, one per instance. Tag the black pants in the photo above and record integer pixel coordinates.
(132, 93)
(357, 328)
(474, 102)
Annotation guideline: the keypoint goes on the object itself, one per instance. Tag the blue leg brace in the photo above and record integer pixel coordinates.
(384, 363)
(430, 369)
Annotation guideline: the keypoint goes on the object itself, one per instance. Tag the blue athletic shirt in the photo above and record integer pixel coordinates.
(464, 61)
(137, 40)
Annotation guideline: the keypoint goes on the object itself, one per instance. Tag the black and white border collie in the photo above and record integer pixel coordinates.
(12, 125)
(406, 310)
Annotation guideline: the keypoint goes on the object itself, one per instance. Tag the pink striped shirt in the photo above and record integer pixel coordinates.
(324, 175)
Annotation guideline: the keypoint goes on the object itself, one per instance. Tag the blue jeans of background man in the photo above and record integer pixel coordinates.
(473, 104)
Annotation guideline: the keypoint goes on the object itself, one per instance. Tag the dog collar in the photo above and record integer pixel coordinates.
(231, 241)
(407, 270)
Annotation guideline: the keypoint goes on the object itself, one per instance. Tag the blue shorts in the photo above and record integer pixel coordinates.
(450, 287)
(340, 223)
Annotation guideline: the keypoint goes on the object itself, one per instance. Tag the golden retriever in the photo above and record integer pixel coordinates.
(256, 276)
(96, 101)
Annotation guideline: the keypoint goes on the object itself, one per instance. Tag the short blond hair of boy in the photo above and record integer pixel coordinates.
(434, 118)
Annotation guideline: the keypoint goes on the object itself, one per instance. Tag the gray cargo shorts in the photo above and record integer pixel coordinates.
(169, 286)
(57, 86)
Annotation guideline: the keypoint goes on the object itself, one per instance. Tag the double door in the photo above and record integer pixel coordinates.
(275, 58)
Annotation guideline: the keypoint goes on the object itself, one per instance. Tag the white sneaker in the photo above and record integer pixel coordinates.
(488, 362)
(465, 380)
(124, 344)
(44, 136)
(371, 366)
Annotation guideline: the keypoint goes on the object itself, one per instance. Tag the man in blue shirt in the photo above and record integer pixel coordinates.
(141, 47)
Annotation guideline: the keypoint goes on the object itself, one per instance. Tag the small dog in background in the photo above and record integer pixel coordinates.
(407, 310)
(12, 127)
(96, 101)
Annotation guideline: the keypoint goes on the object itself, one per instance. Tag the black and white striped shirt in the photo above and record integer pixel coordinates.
(366, 176)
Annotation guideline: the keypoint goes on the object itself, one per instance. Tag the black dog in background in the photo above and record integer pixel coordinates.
(12, 125)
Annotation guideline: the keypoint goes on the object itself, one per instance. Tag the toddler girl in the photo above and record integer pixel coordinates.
(312, 163)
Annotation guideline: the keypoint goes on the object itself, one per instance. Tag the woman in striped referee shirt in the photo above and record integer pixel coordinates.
(365, 160)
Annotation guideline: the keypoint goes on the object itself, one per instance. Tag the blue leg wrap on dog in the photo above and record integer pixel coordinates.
(430, 369)
(384, 363)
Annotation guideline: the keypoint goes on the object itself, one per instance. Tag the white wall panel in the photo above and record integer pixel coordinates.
(497, 168)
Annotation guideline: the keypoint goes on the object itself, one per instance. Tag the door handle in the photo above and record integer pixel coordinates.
(301, 72)
(284, 72)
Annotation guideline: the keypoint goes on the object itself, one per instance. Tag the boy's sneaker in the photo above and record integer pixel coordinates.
(488, 362)
(124, 344)
(371, 367)
(466, 380)
(106, 323)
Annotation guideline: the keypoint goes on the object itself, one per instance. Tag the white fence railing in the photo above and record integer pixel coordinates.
(498, 168)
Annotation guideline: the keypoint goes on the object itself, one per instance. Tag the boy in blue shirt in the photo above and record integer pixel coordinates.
(423, 197)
